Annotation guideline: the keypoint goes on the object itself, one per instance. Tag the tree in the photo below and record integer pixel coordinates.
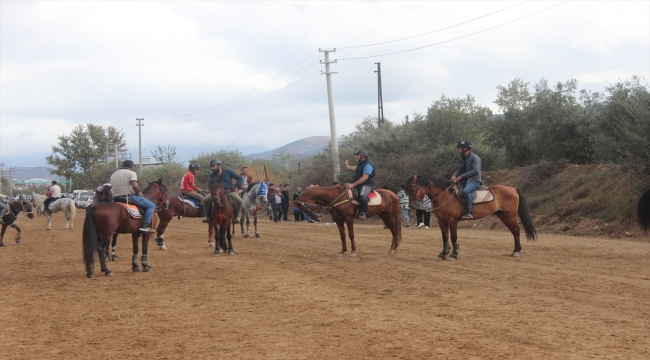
(165, 155)
(77, 154)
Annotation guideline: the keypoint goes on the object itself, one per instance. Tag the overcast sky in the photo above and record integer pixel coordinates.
(208, 76)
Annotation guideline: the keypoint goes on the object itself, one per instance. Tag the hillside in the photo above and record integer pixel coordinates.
(307, 146)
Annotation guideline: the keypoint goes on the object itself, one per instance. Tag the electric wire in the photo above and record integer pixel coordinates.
(463, 36)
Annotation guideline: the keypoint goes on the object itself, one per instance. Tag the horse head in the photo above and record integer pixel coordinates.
(262, 192)
(156, 192)
(217, 191)
(22, 205)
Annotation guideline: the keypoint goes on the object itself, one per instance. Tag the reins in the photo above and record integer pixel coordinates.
(454, 185)
(339, 203)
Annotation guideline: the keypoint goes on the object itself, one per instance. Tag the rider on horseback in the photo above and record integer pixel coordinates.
(469, 175)
(55, 194)
(189, 187)
(363, 181)
(3, 208)
(225, 176)
(125, 183)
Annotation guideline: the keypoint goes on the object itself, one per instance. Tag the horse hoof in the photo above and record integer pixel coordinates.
(3, 244)
(217, 253)
(114, 258)
(257, 235)
(48, 229)
(17, 240)
(146, 268)
(451, 258)
(246, 235)
(163, 247)
(135, 268)
(231, 252)
(211, 245)
(108, 273)
(353, 254)
(516, 254)
(440, 258)
(90, 276)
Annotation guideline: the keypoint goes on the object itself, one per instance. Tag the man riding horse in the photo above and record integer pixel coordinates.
(363, 181)
(468, 174)
(125, 183)
(225, 176)
(189, 187)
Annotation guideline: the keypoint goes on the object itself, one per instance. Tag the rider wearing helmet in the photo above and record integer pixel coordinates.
(189, 187)
(469, 175)
(363, 181)
(226, 177)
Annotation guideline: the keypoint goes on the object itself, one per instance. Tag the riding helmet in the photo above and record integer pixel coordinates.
(215, 162)
(194, 167)
(464, 144)
(361, 152)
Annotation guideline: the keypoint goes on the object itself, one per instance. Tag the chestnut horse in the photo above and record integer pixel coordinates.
(221, 215)
(108, 218)
(643, 211)
(507, 203)
(15, 208)
(176, 207)
(335, 199)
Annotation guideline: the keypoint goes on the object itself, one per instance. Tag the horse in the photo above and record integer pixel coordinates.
(15, 208)
(343, 211)
(253, 200)
(63, 204)
(108, 218)
(221, 215)
(507, 204)
(643, 211)
(176, 207)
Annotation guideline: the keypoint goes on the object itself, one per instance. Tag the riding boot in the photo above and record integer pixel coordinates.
(207, 217)
(201, 210)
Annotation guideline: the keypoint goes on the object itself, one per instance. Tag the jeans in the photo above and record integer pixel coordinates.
(146, 204)
(467, 189)
(277, 212)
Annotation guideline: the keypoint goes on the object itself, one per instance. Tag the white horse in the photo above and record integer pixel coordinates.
(253, 200)
(63, 204)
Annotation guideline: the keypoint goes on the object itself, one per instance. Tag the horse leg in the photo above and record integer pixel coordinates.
(134, 259)
(389, 224)
(102, 249)
(444, 228)
(257, 234)
(17, 233)
(231, 250)
(353, 245)
(344, 246)
(145, 251)
(248, 224)
(211, 236)
(114, 246)
(160, 234)
(67, 219)
(513, 225)
(454, 240)
(217, 241)
(48, 215)
(2, 235)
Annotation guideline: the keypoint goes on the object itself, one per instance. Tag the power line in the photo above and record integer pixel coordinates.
(467, 35)
(435, 31)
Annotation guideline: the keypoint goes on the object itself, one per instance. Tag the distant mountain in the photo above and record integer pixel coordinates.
(307, 146)
(27, 173)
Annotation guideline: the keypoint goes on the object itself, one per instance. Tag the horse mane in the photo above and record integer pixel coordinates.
(425, 180)
(251, 185)
(159, 182)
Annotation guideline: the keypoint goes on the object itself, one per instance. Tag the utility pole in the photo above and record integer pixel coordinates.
(140, 125)
(380, 100)
(11, 180)
(330, 100)
(117, 165)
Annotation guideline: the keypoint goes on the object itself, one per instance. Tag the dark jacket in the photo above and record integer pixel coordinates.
(226, 178)
(470, 169)
(358, 173)
(285, 198)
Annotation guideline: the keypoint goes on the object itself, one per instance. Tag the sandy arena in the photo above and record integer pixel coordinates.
(287, 295)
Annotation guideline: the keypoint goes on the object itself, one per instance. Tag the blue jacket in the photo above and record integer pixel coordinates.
(470, 169)
(227, 175)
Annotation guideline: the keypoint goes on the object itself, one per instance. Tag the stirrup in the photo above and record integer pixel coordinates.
(467, 216)
(363, 216)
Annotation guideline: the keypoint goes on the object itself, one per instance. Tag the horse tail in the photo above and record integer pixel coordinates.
(73, 210)
(526, 219)
(643, 211)
(90, 239)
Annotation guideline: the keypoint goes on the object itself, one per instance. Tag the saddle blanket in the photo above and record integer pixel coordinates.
(190, 201)
(480, 196)
(132, 210)
(373, 198)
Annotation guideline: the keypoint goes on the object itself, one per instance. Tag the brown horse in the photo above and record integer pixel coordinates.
(335, 199)
(643, 211)
(15, 208)
(108, 218)
(221, 215)
(176, 207)
(507, 203)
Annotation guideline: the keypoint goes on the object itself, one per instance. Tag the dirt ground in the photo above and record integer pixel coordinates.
(287, 295)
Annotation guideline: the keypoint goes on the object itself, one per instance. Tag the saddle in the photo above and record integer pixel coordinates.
(373, 198)
(133, 211)
(481, 195)
(189, 200)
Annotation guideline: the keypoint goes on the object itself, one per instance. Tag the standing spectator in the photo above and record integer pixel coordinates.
(269, 200)
(423, 212)
(248, 178)
(276, 202)
(285, 202)
(404, 206)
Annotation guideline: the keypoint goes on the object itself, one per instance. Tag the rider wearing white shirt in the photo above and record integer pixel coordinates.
(55, 194)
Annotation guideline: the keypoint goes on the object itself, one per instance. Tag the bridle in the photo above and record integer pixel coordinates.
(23, 204)
(419, 190)
(305, 208)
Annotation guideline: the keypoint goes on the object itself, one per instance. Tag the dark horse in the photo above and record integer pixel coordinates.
(221, 214)
(108, 218)
(507, 203)
(335, 200)
(175, 207)
(15, 208)
(643, 211)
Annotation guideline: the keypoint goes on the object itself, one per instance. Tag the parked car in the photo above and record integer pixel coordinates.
(85, 202)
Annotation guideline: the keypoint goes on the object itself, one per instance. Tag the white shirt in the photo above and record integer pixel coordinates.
(121, 182)
(56, 191)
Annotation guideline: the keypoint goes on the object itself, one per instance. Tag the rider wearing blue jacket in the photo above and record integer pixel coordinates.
(226, 176)
(469, 175)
